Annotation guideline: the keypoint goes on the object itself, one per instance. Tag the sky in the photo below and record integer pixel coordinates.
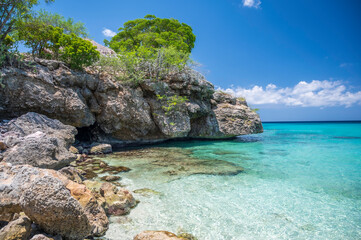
(296, 60)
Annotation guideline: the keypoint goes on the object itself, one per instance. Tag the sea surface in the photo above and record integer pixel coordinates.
(299, 181)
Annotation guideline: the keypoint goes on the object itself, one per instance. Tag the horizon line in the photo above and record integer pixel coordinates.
(314, 121)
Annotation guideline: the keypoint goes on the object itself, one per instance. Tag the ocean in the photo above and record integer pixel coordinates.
(294, 181)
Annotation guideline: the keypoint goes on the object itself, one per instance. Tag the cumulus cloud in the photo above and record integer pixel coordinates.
(252, 3)
(305, 94)
(108, 33)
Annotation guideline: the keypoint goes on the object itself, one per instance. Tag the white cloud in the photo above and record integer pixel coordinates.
(343, 65)
(252, 3)
(305, 94)
(108, 33)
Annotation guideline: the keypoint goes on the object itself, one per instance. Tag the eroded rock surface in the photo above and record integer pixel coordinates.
(116, 112)
(18, 229)
(55, 203)
(37, 140)
(234, 116)
(101, 149)
(116, 201)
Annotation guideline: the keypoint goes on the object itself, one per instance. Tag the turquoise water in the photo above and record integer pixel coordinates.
(300, 181)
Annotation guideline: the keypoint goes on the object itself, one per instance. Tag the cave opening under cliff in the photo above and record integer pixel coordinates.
(88, 134)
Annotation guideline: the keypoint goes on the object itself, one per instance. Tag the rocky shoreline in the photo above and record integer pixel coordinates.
(39, 202)
(54, 120)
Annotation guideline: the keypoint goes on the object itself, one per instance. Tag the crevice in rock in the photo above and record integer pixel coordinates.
(89, 134)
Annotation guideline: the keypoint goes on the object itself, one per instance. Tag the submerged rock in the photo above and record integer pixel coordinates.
(37, 140)
(157, 235)
(186, 236)
(172, 163)
(55, 203)
(147, 192)
(19, 229)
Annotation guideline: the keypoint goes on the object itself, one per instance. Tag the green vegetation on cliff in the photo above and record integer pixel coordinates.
(153, 33)
(149, 48)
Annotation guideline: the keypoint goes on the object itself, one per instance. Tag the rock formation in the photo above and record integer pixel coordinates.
(55, 203)
(36, 140)
(19, 229)
(116, 112)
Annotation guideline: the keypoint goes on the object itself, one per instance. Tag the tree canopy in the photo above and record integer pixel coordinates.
(56, 20)
(13, 10)
(153, 33)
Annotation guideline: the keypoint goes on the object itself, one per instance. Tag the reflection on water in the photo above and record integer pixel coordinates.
(299, 182)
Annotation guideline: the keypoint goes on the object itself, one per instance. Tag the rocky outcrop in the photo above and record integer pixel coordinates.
(37, 140)
(115, 112)
(234, 116)
(19, 229)
(55, 203)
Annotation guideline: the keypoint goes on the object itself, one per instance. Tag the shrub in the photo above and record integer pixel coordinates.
(50, 42)
(136, 66)
(8, 53)
(77, 52)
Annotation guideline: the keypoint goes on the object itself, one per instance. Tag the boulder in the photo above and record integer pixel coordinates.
(55, 203)
(74, 150)
(37, 140)
(19, 229)
(3, 146)
(157, 235)
(73, 174)
(101, 149)
(118, 201)
(238, 119)
(45, 237)
(110, 178)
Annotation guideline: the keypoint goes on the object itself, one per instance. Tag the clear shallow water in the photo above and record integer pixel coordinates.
(301, 181)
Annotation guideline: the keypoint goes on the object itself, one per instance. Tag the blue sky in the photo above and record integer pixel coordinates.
(294, 60)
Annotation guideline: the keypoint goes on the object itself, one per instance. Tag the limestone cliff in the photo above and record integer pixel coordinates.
(112, 111)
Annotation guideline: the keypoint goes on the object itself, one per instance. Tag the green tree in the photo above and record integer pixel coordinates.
(13, 10)
(153, 33)
(56, 20)
(39, 37)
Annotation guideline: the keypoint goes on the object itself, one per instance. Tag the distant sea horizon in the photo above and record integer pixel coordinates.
(314, 121)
